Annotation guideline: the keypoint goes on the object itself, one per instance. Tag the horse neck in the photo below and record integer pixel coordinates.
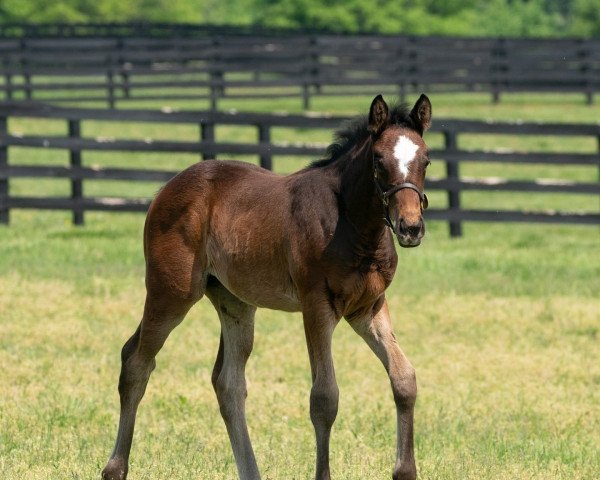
(361, 204)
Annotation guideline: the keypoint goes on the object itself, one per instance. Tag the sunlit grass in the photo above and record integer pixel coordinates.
(504, 343)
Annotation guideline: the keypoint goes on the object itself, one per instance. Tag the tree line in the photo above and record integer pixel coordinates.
(529, 18)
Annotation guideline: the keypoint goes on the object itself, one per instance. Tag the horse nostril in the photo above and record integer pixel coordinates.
(412, 229)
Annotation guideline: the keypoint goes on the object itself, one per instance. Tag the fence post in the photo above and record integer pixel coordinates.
(121, 65)
(25, 70)
(75, 164)
(413, 63)
(586, 71)
(264, 137)
(27, 82)
(305, 79)
(8, 87)
(3, 172)
(499, 67)
(598, 139)
(315, 62)
(305, 95)
(110, 87)
(207, 134)
(310, 72)
(217, 88)
(452, 173)
(401, 68)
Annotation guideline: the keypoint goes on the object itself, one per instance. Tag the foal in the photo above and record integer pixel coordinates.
(318, 241)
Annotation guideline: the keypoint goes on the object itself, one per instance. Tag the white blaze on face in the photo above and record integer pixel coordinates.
(405, 151)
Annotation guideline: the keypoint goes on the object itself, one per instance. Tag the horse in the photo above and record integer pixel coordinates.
(319, 241)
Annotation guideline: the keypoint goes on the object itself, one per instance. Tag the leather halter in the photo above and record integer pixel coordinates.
(385, 194)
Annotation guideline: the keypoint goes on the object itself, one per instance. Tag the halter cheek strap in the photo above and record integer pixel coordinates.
(385, 195)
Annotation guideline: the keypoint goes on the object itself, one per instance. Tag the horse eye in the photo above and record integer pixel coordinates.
(428, 163)
(378, 162)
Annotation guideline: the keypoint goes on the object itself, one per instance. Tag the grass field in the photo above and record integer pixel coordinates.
(502, 326)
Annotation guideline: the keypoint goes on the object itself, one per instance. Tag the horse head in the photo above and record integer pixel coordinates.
(400, 160)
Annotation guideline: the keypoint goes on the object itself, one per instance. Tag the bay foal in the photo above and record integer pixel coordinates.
(318, 241)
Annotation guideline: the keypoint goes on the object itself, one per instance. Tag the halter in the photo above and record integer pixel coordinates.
(384, 195)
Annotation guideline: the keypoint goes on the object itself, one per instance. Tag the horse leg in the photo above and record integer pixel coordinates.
(161, 316)
(228, 377)
(377, 332)
(324, 393)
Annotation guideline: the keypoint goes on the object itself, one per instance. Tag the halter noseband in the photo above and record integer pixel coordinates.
(384, 195)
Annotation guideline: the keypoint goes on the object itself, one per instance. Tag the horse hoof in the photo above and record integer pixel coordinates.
(115, 470)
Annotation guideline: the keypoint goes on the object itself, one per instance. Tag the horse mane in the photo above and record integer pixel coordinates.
(355, 132)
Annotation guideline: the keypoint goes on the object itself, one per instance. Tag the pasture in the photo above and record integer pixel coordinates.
(502, 326)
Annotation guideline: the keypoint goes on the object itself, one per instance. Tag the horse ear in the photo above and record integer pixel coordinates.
(379, 115)
(421, 113)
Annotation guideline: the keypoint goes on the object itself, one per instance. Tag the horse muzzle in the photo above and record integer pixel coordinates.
(409, 234)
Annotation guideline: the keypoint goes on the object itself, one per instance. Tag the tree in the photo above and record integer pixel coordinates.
(586, 18)
(421, 17)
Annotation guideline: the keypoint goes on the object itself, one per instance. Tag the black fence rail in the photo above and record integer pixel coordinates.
(206, 145)
(220, 65)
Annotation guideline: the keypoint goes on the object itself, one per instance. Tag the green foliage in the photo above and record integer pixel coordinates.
(193, 11)
(536, 18)
(586, 18)
(65, 10)
(519, 18)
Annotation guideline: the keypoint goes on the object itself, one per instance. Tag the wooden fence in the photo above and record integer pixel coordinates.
(207, 146)
(214, 66)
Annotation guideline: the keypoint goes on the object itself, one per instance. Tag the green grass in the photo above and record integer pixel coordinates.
(502, 326)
